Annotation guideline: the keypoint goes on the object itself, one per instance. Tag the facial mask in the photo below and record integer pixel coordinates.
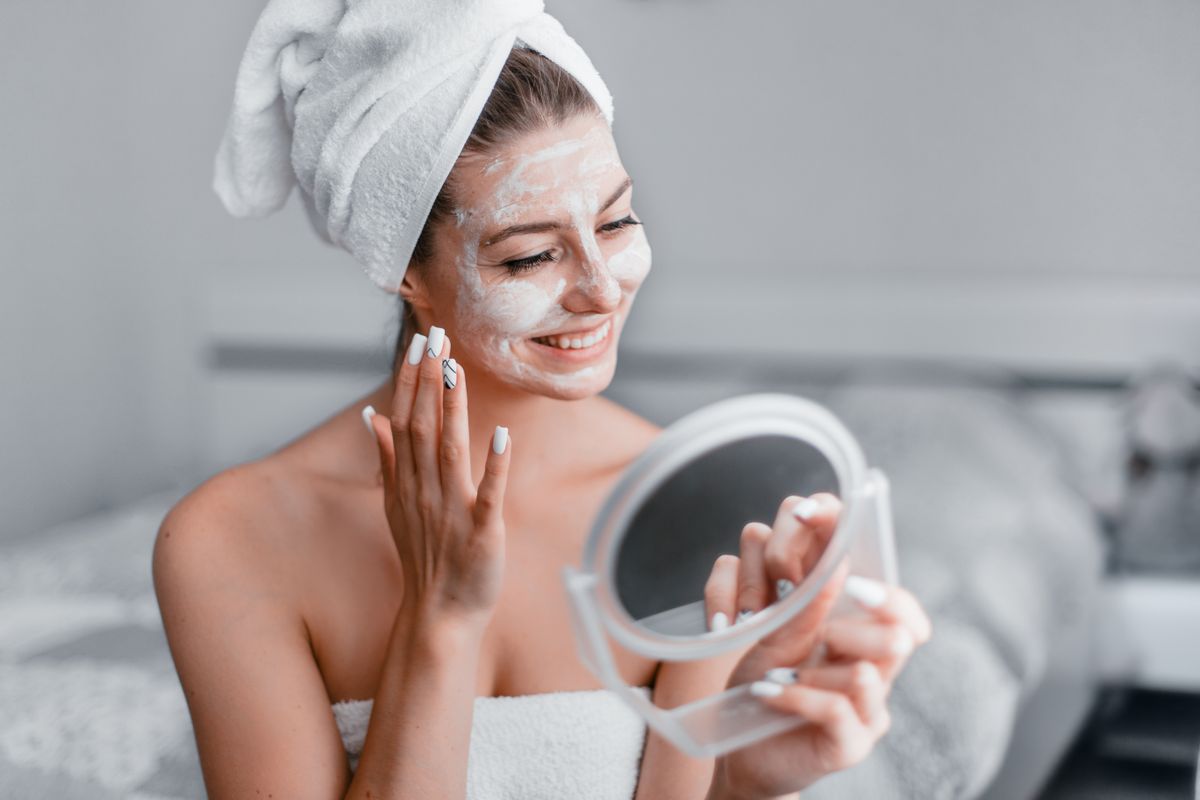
(498, 316)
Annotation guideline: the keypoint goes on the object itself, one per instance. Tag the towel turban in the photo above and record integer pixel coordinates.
(368, 103)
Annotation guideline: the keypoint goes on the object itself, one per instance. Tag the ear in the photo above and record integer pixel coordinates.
(413, 289)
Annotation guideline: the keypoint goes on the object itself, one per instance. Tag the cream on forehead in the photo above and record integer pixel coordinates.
(515, 191)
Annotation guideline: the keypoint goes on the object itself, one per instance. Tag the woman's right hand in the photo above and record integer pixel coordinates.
(449, 534)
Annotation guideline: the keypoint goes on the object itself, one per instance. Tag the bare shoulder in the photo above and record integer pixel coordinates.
(235, 518)
(229, 587)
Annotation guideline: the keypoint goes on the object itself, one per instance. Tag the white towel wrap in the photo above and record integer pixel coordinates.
(367, 104)
(583, 745)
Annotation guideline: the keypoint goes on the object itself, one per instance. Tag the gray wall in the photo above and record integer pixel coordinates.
(782, 152)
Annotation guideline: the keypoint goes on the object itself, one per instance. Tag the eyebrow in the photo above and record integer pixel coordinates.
(551, 225)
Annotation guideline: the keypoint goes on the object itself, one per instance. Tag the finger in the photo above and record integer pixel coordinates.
(827, 708)
(781, 557)
(403, 393)
(820, 514)
(802, 529)
(720, 592)
(861, 681)
(753, 589)
(821, 520)
(887, 644)
(489, 499)
(381, 431)
(798, 638)
(891, 603)
(425, 424)
(456, 436)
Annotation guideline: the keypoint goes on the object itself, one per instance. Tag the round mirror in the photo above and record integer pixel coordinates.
(672, 542)
(682, 505)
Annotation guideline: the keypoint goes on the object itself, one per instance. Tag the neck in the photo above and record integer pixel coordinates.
(541, 427)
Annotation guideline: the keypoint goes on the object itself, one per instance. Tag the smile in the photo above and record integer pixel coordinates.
(576, 341)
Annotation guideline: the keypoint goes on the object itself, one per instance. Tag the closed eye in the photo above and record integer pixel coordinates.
(522, 264)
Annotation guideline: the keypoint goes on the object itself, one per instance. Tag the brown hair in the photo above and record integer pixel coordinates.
(531, 93)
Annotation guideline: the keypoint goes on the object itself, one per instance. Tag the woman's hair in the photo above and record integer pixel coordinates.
(531, 94)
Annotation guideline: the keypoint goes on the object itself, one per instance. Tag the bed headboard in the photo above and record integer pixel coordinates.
(278, 359)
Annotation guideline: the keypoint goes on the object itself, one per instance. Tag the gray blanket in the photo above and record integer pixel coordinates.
(1000, 551)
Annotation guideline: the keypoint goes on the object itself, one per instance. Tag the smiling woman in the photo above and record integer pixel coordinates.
(356, 613)
(532, 254)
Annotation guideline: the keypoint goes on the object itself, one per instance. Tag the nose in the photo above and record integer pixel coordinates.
(595, 287)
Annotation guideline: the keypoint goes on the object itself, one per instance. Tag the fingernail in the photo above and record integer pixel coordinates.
(866, 591)
(450, 372)
(806, 509)
(367, 413)
(783, 587)
(766, 689)
(433, 347)
(499, 440)
(743, 615)
(415, 348)
(903, 645)
(783, 675)
(719, 622)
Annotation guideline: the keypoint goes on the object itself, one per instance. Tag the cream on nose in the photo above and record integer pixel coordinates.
(597, 282)
(600, 283)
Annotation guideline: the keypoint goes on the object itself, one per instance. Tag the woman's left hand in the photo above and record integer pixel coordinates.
(843, 697)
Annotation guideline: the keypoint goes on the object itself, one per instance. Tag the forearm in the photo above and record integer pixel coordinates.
(722, 789)
(420, 730)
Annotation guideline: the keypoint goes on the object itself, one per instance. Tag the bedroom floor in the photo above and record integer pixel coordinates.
(1139, 744)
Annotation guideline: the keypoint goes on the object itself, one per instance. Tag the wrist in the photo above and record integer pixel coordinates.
(723, 789)
(422, 630)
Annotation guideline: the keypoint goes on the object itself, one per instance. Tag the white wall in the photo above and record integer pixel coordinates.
(96, 342)
(1016, 182)
(1025, 159)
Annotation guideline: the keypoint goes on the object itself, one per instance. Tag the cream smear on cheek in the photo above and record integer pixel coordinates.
(499, 316)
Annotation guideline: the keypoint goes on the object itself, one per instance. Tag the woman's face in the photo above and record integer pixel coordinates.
(570, 267)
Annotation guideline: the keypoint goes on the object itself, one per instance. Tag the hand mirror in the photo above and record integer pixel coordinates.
(682, 504)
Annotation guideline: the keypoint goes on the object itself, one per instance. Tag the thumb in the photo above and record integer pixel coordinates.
(382, 433)
(489, 500)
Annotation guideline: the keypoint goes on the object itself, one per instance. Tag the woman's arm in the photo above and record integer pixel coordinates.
(226, 586)
(258, 705)
(667, 773)
(420, 730)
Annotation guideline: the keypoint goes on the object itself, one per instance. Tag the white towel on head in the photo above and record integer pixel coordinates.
(367, 104)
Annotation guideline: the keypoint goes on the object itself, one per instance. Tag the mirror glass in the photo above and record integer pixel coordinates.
(675, 535)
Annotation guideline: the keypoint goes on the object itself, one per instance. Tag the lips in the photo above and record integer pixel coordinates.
(577, 340)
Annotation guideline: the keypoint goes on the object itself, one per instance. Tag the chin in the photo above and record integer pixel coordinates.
(564, 388)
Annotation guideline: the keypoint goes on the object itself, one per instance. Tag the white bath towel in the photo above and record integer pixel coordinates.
(584, 745)
(367, 104)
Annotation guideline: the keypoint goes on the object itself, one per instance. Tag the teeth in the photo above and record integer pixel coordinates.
(576, 343)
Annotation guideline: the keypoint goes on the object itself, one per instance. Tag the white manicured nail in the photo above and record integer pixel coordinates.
(866, 591)
(805, 509)
(719, 622)
(450, 373)
(499, 440)
(783, 675)
(783, 587)
(433, 347)
(415, 348)
(766, 689)
(367, 413)
(903, 644)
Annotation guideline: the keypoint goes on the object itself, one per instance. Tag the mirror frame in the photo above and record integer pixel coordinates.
(691, 437)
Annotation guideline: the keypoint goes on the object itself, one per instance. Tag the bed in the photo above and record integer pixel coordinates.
(997, 542)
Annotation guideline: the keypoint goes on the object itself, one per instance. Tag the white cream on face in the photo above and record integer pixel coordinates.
(495, 319)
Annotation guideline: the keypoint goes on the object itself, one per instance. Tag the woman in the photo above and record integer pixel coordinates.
(418, 564)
